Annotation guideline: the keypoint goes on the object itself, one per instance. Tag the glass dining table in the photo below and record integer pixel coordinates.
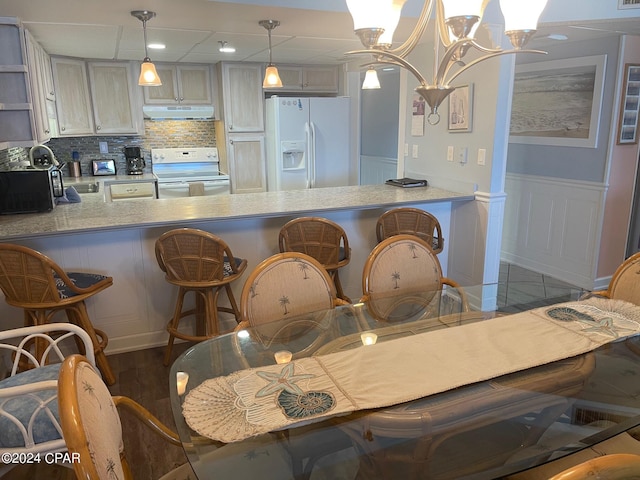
(481, 430)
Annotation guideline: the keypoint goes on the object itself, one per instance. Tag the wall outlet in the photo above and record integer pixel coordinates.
(104, 148)
(449, 153)
(406, 149)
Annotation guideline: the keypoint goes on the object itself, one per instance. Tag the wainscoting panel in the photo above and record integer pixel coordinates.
(552, 227)
(377, 170)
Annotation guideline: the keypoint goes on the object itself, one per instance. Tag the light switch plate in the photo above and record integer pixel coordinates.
(414, 152)
(482, 154)
(449, 153)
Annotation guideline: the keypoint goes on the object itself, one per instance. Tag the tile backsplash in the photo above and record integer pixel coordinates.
(158, 134)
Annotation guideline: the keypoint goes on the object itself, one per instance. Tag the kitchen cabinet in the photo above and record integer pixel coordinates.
(73, 101)
(109, 107)
(308, 79)
(115, 110)
(42, 91)
(17, 122)
(181, 84)
(242, 96)
(245, 154)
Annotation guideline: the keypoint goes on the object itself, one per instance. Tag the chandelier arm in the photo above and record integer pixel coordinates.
(421, 25)
(442, 27)
(492, 55)
(396, 58)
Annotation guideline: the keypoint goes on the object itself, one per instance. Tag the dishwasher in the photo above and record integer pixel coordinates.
(132, 191)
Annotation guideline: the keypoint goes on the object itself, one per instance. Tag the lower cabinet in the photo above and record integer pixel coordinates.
(246, 162)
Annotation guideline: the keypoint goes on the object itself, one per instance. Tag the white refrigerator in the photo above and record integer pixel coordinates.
(308, 142)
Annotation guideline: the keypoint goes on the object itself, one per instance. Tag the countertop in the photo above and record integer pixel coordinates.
(93, 213)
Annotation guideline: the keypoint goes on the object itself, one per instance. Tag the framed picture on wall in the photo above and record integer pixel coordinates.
(558, 102)
(461, 109)
(623, 4)
(629, 105)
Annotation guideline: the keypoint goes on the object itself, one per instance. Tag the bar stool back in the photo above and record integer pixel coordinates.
(411, 221)
(200, 262)
(322, 240)
(35, 283)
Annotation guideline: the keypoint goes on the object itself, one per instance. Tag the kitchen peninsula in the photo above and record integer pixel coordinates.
(118, 239)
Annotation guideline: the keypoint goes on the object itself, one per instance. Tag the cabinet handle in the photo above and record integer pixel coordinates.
(230, 142)
(46, 131)
(230, 127)
(176, 99)
(62, 128)
(181, 99)
(98, 127)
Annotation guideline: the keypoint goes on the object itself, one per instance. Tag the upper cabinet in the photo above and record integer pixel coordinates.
(115, 109)
(181, 84)
(242, 97)
(108, 107)
(42, 91)
(16, 112)
(308, 79)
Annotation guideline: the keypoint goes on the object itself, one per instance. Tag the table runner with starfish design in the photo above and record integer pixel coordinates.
(258, 400)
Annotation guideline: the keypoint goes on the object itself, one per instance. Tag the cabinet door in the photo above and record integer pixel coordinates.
(72, 93)
(36, 81)
(243, 97)
(291, 77)
(194, 82)
(167, 93)
(320, 79)
(113, 98)
(246, 163)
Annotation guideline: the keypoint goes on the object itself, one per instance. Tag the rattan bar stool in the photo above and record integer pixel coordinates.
(200, 262)
(411, 221)
(322, 240)
(35, 283)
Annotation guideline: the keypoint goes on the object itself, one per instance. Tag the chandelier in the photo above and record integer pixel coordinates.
(374, 22)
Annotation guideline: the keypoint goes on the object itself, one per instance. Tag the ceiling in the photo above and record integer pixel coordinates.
(191, 29)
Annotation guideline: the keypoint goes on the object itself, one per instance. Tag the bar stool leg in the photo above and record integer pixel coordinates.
(232, 301)
(339, 291)
(79, 316)
(173, 326)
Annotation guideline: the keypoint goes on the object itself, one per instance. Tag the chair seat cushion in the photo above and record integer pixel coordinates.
(79, 279)
(43, 404)
(228, 271)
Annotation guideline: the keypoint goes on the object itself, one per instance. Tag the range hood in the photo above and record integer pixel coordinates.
(177, 112)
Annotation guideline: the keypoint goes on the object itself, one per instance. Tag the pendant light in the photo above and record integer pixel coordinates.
(148, 75)
(271, 76)
(371, 81)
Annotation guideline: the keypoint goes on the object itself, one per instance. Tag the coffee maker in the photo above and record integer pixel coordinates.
(135, 162)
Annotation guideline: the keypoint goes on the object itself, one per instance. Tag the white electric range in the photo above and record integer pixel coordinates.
(188, 172)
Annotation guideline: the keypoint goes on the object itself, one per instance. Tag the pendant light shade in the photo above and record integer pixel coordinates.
(271, 76)
(148, 75)
(371, 81)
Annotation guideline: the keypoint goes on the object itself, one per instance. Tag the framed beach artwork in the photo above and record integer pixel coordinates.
(461, 108)
(558, 102)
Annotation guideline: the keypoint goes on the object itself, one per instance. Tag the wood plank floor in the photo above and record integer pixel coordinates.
(141, 376)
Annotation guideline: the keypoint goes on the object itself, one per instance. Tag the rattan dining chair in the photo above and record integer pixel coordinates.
(200, 262)
(322, 239)
(614, 466)
(91, 424)
(404, 267)
(625, 282)
(35, 283)
(412, 221)
(29, 420)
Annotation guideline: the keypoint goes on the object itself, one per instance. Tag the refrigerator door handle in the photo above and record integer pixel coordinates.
(312, 151)
(307, 131)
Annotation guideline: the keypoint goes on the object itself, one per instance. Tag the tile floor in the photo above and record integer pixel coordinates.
(521, 289)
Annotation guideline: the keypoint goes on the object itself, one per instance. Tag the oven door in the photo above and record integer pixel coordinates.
(193, 189)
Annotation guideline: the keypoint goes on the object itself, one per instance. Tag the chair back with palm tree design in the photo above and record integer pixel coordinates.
(403, 269)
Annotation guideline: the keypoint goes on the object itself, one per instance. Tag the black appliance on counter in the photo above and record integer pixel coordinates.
(30, 190)
(134, 160)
